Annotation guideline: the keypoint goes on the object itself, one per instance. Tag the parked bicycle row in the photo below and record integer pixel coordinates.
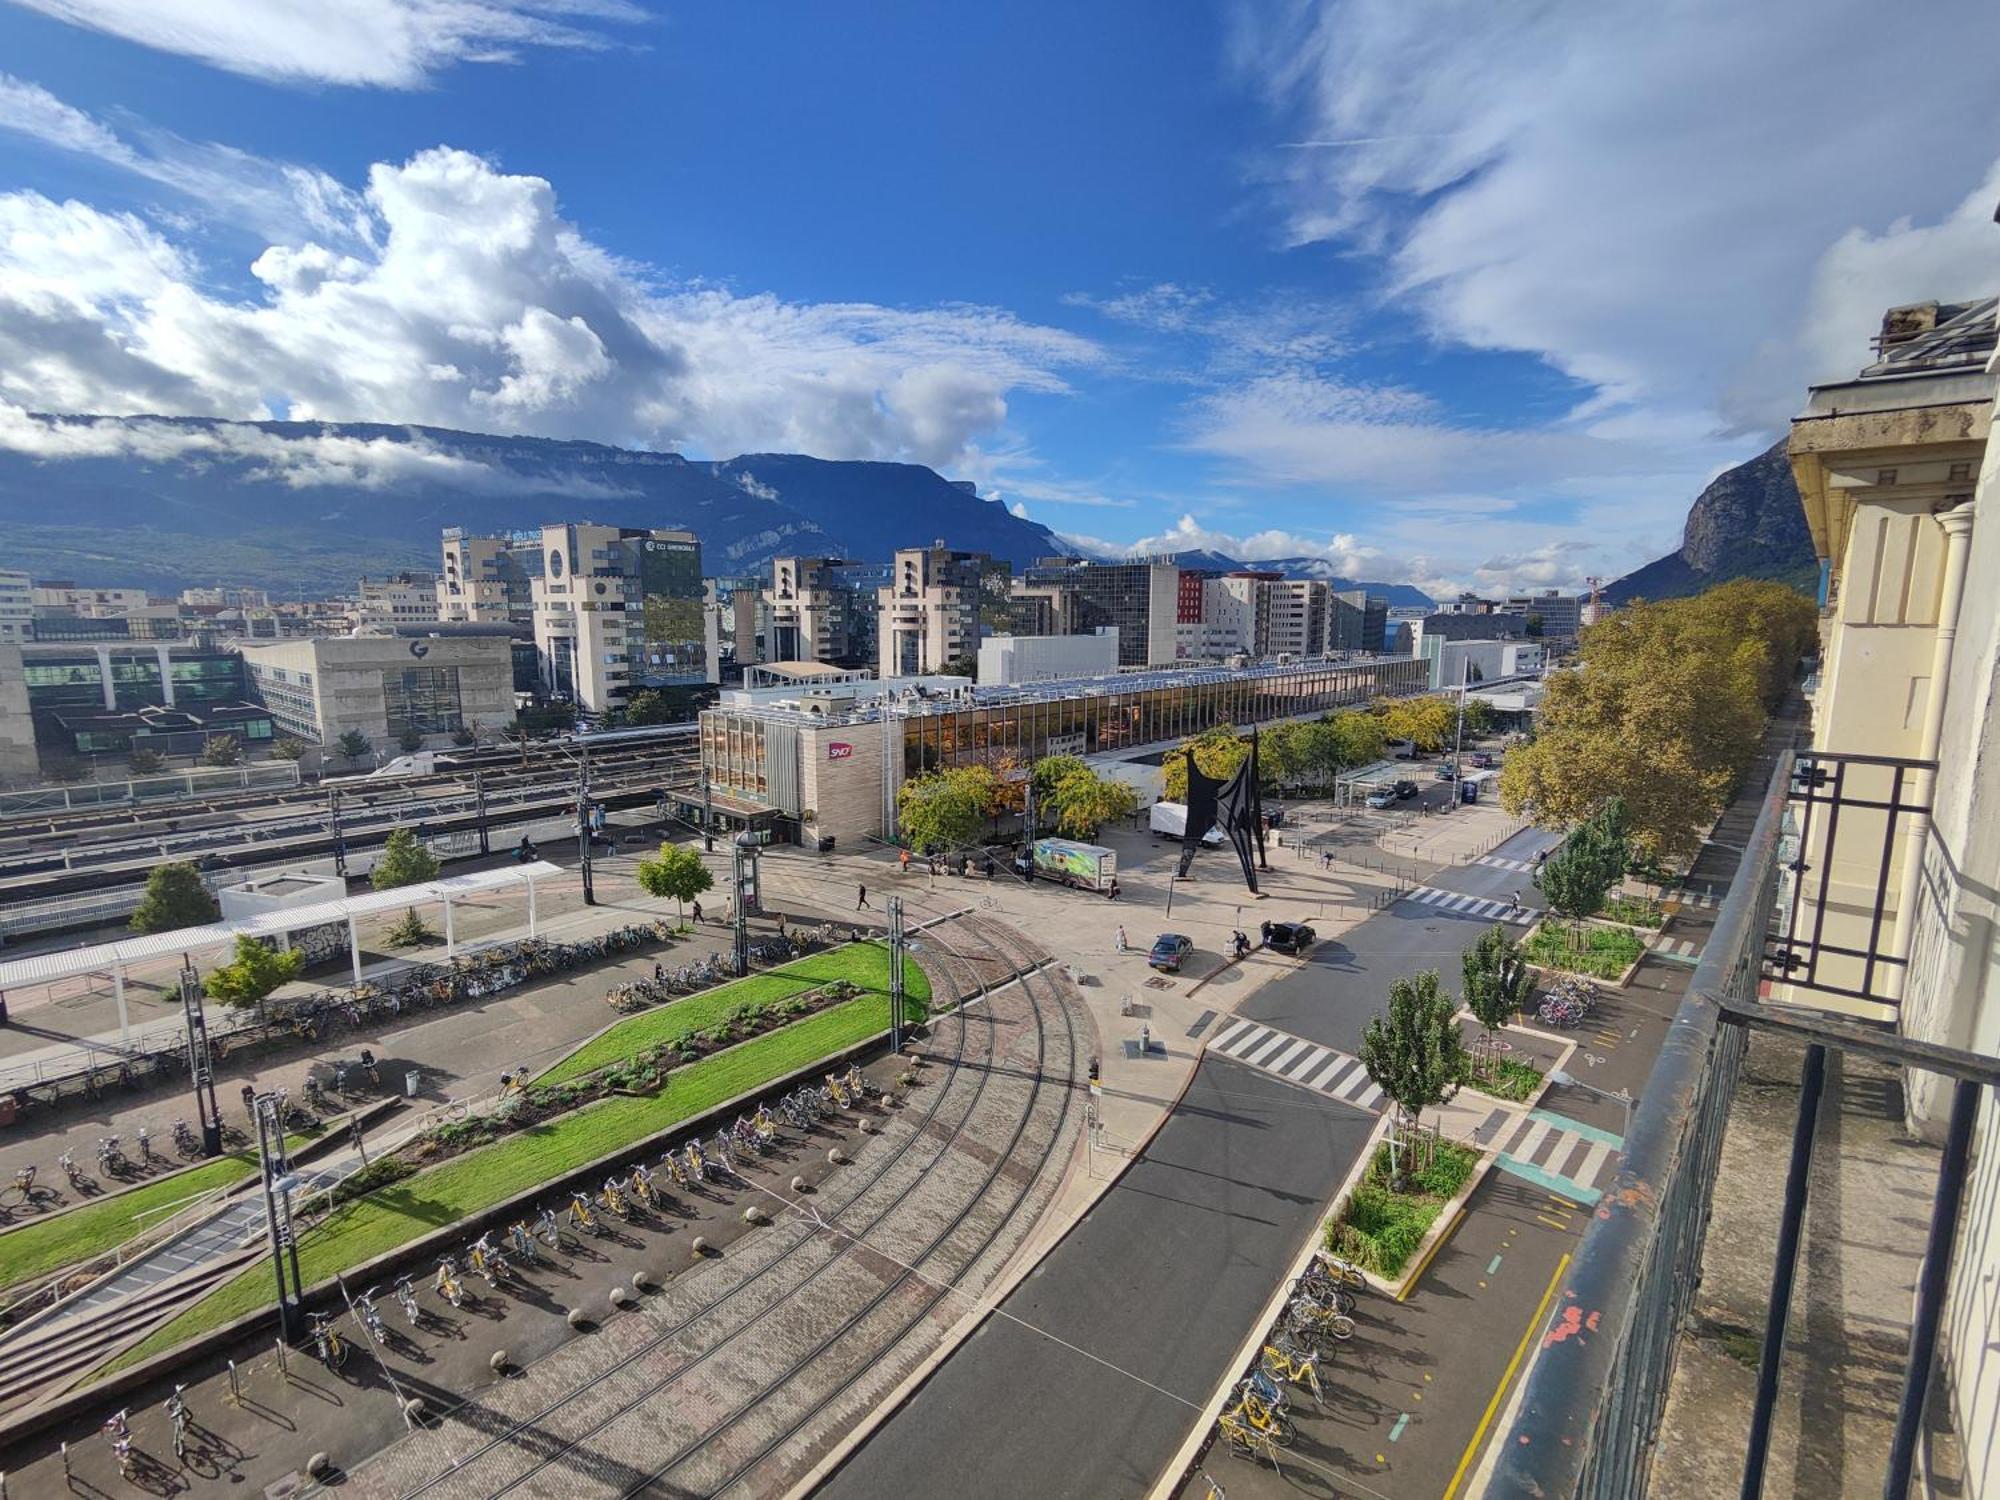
(1319, 1313)
(500, 1260)
(667, 983)
(309, 1018)
(1568, 1002)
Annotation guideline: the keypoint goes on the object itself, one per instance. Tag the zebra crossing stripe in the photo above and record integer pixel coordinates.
(1259, 1056)
(1307, 1064)
(1229, 1034)
(1282, 1060)
(1324, 1070)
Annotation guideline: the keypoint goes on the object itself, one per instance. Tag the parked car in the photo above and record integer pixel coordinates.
(1170, 951)
(1386, 797)
(1405, 790)
(1483, 759)
(1288, 937)
(1444, 772)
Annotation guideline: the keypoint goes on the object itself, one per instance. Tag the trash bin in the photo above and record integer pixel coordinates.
(411, 1078)
(826, 843)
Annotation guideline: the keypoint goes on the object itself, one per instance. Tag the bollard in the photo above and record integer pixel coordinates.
(65, 1463)
(284, 1362)
(798, 1184)
(235, 1396)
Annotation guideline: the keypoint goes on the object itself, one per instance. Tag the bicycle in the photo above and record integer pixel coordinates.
(523, 1241)
(1212, 1490)
(146, 1156)
(371, 1316)
(548, 1229)
(185, 1142)
(581, 1216)
(23, 1190)
(447, 1285)
(78, 1178)
(613, 1199)
(110, 1160)
(406, 1295)
(1307, 1319)
(1284, 1360)
(642, 1186)
(327, 1342)
(177, 1413)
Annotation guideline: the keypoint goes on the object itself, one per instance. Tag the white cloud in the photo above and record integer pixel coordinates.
(462, 298)
(1652, 200)
(374, 43)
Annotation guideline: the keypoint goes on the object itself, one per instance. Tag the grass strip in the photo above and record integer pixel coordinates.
(1604, 952)
(1505, 1078)
(467, 1184)
(865, 965)
(43, 1245)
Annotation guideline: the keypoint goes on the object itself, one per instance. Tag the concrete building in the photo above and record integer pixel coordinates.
(19, 765)
(1451, 663)
(431, 681)
(928, 614)
(17, 608)
(1015, 659)
(827, 762)
(1900, 481)
(61, 596)
(225, 597)
(399, 599)
(821, 609)
(1552, 616)
(733, 625)
(618, 609)
(489, 580)
(1145, 601)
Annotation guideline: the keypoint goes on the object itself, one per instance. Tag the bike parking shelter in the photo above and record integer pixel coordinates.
(116, 958)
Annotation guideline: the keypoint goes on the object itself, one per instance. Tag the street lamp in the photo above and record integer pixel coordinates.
(1624, 1096)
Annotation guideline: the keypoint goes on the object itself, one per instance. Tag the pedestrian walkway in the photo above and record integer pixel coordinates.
(1462, 905)
(1678, 950)
(1324, 1070)
(1498, 862)
(1562, 1155)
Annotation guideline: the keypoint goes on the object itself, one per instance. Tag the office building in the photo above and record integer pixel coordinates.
(1257, 613)
(17, 608)
(62, 596)
(19, 765)
(618, 609)
(733, 625)
(1145, 601)
(821, 609)
(489, 580)
(399, 599)
(225, 597)
(1548, 614)
(1357, 621)
(840, 753)
(1456, 663)
(109, 698)
(1015, 659)
(928, 614)
(427, 681)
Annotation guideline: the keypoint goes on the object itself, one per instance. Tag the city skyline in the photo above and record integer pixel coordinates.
(1327, 282)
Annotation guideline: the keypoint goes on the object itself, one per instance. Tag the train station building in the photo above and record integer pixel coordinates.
(811, 761)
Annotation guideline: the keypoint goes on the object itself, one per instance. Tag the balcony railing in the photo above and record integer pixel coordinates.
(1591, 1410)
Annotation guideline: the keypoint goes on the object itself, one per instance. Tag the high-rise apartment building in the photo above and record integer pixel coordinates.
(820, 609)
(1262, 614)
(618, 609)
(1142, 599)
(489, 580)
(17, 609)
(929, 611)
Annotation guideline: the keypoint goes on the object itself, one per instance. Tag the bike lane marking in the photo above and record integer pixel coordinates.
(1506, 1379)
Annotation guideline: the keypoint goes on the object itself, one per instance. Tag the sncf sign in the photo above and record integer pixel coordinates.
(839, 750)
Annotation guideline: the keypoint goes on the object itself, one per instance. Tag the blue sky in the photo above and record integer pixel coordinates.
(1453, 294)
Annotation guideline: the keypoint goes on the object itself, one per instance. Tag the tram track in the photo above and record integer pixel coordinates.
(531, 1432)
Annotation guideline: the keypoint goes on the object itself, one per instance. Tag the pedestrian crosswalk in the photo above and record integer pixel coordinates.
(1696, 900)
(1563, 1155)
(1325, 1070)
(1463, 905)
(1682, 950)
(1499, 862)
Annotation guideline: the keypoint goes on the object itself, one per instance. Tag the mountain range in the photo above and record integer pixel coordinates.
(1748, 523)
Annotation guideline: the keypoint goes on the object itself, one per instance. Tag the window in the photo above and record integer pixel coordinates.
(423, 699)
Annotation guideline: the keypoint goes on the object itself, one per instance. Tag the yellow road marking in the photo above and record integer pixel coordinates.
(1553, 1223)
(1410, 1285)
(1506, 1379)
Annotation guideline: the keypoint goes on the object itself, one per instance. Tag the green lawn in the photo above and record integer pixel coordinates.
(1603, 953)
(863, 964)
(1634, 911)
(462, 1186)
(1508, 1079)
(44, 1245)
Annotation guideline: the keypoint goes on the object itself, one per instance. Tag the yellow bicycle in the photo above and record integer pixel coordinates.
(1283, 1360)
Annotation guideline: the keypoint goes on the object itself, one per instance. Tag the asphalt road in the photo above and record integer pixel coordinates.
(1158, 1283)
(1163, 1278)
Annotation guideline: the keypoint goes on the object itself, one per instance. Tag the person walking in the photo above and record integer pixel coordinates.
(861, 899)
(904, 861)
(697, 911)
(1121, 939)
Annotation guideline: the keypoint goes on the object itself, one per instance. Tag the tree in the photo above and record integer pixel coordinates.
(410, 741)
(946, 809)
(143, 762)
(1497, 981)
(965, 664)
(1083, 802)
(1428, 723)
(253, 973)
(647, 707)
(404, 862)
(410, 930)
(1050, 770)
(464, 738)
(174, 897)
(222, 750)
(1218, 751)
(62, 769)
(676, 871)
(1359, 736)
(1574, 882)
(288, 748)
(1533, 627)
(352, 745)
(1414, 1052)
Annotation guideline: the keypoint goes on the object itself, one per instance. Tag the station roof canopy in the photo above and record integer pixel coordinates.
(43, 968)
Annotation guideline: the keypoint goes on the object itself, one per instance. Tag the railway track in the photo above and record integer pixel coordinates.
(759, 1363)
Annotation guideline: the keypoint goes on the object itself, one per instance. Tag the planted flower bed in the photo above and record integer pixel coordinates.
(1601, 952)
(1380, 1228)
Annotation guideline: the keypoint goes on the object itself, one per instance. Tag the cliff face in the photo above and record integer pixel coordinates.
(1746, 524)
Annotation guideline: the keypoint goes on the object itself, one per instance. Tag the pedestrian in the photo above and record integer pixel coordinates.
(697, 915)
(904, 861)
(1265, 933)
(861, 899)
(781, 924)
(660, 969)
(1121, 938)
(1517, 901)
(250, 1101)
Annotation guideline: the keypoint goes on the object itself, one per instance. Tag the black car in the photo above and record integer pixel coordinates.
(1170, 950)
(1288, 937)
(1405, 790)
